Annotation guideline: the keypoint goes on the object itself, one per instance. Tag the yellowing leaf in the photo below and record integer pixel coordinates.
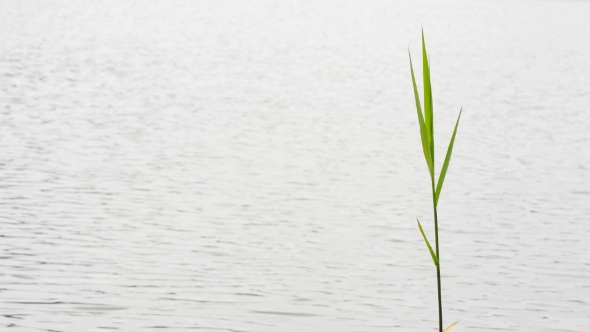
(451, 326)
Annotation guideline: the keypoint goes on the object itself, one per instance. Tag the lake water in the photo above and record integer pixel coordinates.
(256, 167)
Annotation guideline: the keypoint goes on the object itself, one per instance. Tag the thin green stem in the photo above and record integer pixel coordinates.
(440, 319)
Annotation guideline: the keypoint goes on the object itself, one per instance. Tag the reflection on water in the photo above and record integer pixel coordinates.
(223, 166)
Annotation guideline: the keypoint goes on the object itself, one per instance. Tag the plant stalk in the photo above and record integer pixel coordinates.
(434, 203)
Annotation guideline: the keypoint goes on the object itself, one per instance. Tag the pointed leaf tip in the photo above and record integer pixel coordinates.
(443, 172)
(451, 326)
(434, 258)
(426, 145)
(428, 106)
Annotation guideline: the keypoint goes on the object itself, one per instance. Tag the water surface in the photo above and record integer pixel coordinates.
(231, 166)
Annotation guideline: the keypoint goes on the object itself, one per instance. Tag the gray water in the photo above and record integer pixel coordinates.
(256, 166)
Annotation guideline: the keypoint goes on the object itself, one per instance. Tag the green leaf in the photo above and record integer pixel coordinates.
(451, 326)
(428, 106)
(443, 172)
(423, 132)
(434, 258)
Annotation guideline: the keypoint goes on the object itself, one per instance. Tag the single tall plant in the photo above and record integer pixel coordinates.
(426, 121)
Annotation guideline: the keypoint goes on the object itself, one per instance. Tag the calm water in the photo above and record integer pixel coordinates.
(223, 166)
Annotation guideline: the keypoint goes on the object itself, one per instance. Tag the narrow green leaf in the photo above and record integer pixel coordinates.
(451, 326)
(423, 132)
(428, 106)
(434, 258)
(443, 171)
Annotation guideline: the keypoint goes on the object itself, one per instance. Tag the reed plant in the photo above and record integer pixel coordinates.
(426, 122)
